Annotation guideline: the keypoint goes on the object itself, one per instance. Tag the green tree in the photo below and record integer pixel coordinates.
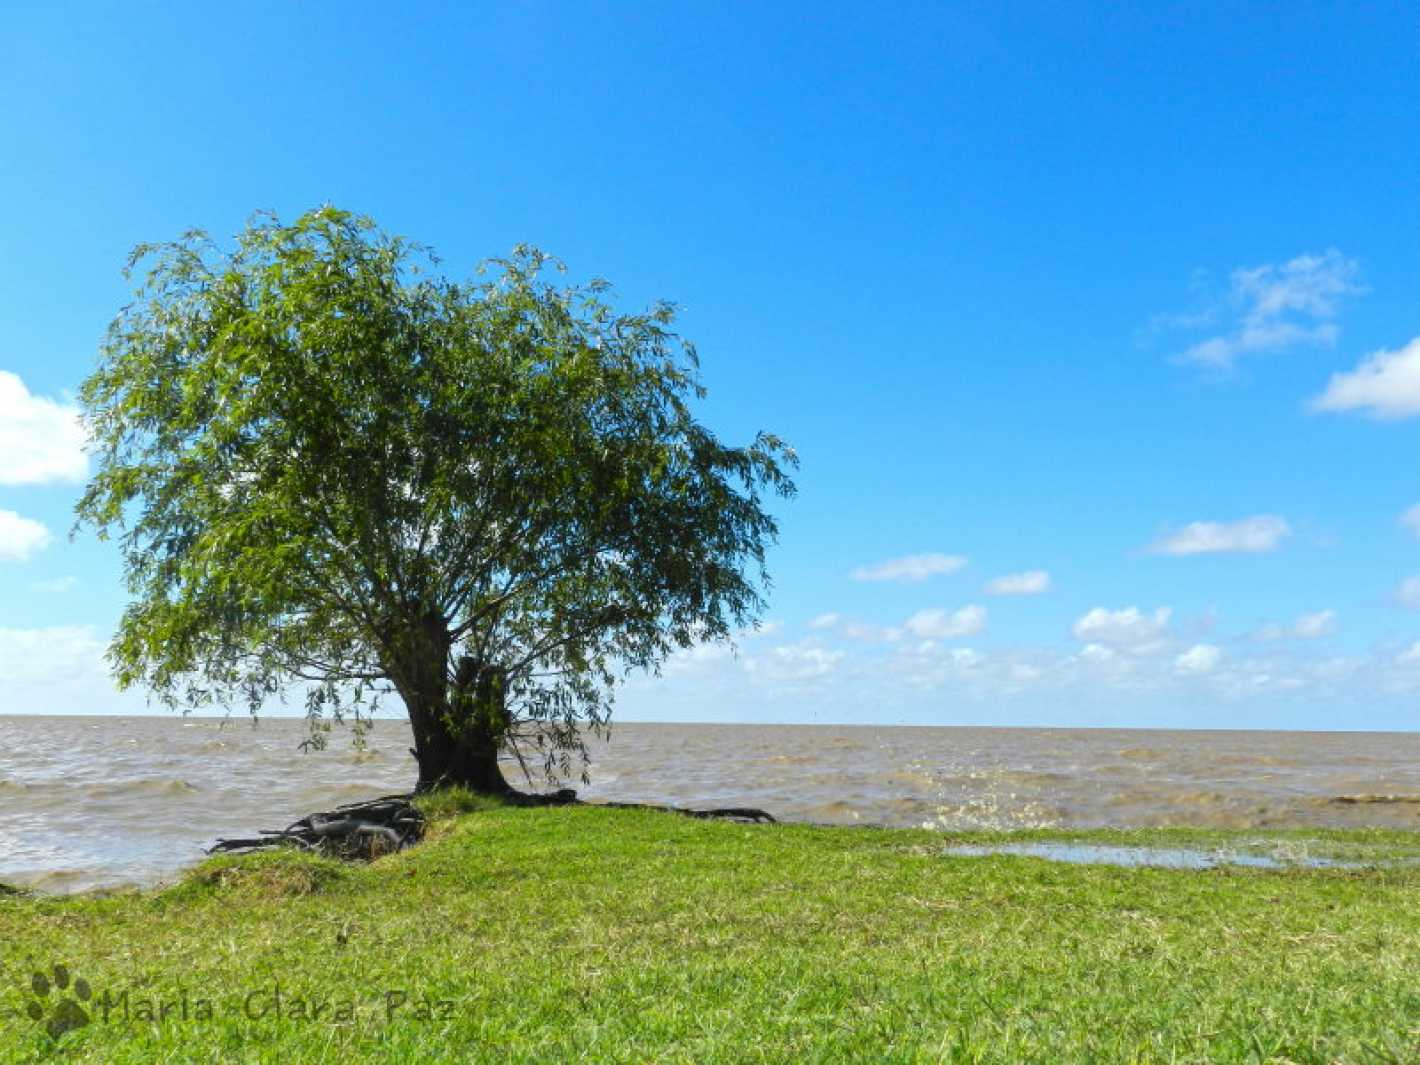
(329, 466)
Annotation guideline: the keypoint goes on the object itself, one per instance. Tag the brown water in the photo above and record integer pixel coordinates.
(97, 801)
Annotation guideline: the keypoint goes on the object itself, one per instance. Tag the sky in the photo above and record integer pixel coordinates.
(1097, 330)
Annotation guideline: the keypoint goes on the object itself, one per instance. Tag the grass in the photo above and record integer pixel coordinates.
(580, 934)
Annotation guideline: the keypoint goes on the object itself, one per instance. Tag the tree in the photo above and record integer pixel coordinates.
(331, 467)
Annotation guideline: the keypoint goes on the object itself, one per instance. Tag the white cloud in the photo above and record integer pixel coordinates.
(1199, 659)
(1338, 667)
(1276, 307)
(57, 586)
(54, 655)
(927, 666)
(945, 625)
(1129, 628)
(766, 628)
(858, 630)
(1306, 627)
(21, 538)
(1410, 520)
(803, 661)
(700, 658)
(1032, 582)
(1408, 593)
(1255, 535)
(910, 568)
(1141, 663)
(1409, 656)
(1313, 626)
(852, 629)
(41, 440)
(1386, 385)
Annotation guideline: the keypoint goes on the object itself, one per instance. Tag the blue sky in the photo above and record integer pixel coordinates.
(1125, 298)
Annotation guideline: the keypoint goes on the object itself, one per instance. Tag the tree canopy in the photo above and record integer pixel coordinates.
(330, 467)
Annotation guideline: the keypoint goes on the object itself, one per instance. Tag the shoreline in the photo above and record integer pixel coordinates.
(584, 933)
(109, 800)
(1290, 847)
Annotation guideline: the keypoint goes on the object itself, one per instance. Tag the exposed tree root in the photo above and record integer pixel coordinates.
(358, 831)
(568, 797)
(743, 814)
(363, 831)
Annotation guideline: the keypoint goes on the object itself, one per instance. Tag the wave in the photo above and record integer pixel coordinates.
(57, 881)
(994, 814)
(1366, 799)
(162, 787)
(919, 778)
(833, 812)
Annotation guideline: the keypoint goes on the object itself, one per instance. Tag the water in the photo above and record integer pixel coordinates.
(1159, 857)
(102, 801)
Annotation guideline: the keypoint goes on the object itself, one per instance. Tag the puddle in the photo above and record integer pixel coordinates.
(1156, 857)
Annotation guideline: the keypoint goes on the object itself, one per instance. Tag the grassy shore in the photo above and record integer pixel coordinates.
(576, 933)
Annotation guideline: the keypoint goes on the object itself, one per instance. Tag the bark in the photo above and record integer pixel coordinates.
(454, 754)
(459, 723)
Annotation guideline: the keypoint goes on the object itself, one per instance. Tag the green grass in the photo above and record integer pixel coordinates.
(580, 934)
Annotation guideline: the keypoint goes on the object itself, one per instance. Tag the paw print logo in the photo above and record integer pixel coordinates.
(61, 1012)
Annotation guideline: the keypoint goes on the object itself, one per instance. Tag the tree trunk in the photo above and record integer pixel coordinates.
(459, 730)
(463, 756)
(459, 723)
